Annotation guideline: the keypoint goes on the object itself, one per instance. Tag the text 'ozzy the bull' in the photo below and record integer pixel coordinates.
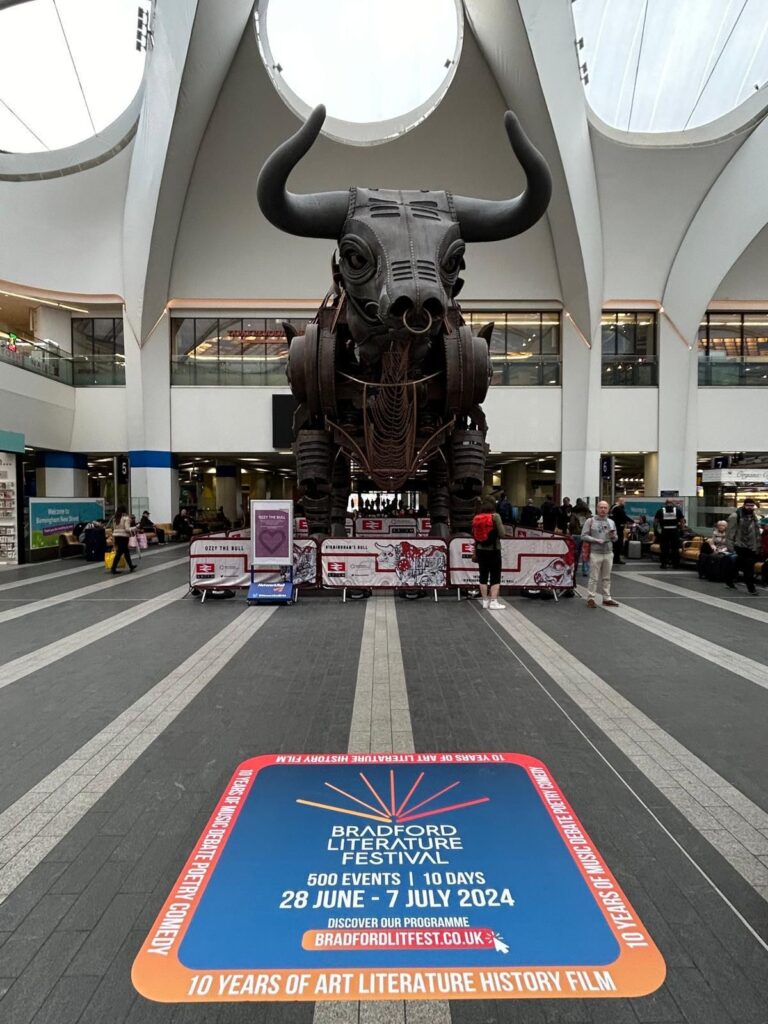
(388, 374)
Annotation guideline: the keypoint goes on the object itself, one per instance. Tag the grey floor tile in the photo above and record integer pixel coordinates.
(28, 993)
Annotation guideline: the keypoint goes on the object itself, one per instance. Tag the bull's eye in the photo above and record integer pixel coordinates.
(357, 262)
(453, 261)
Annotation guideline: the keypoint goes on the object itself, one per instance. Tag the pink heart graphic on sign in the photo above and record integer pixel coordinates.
(272, 539)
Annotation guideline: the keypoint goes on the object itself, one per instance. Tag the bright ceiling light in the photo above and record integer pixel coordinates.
(372, 92)
(70, 68)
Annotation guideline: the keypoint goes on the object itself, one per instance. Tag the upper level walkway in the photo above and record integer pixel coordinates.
(124, 710)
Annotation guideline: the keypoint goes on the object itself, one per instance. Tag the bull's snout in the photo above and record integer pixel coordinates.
(418, 317)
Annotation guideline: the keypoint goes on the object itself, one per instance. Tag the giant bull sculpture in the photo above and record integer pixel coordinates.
(388, 376)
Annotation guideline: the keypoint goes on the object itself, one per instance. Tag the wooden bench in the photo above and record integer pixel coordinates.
(689, 551)
(69, 545)
(168, 530)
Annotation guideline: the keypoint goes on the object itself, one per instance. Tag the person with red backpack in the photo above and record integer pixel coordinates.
(487, 531)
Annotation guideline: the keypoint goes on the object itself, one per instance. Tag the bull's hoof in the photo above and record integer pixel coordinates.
(440, 530)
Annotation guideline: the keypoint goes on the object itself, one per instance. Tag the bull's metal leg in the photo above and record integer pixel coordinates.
(437, 496)
(313, 470)
(340, 491)
(467, 462)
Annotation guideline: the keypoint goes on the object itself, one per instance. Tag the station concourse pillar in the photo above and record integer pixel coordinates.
(62, 475)
(227, 483)
(514, 482)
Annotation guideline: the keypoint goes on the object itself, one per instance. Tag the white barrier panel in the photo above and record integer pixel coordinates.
(217, 562)
(390, 562)
(423, 525)
(385, 526)
(224, 564)
(545, 562)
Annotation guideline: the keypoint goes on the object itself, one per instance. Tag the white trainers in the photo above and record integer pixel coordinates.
(496, 606)
(484, 602)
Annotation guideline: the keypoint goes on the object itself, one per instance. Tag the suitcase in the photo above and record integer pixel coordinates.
(718, 568)
(634, 549)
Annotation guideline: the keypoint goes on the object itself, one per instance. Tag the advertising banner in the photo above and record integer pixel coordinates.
(48, 517)
(218, 564)
(385, 526)
(395, 876)
(545, 562)
(648, 507)
(272, 532)
(367, 562)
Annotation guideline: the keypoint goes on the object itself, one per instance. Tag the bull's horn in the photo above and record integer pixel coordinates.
(318, 215)
(489, 220)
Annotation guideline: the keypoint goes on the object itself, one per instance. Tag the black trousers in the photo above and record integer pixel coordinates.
(669, 543)
(120, 546)
(489, 563)
(745, 560)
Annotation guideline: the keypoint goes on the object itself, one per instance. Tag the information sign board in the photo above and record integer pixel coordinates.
(271, 532)
(395, 876)
(389, 562)
(544, 561)
(48, 517)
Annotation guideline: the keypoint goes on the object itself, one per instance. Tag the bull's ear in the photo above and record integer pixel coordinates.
(290, 331)
(458, 285)
(486, 332)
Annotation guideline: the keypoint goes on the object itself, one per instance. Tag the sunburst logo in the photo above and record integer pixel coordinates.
(400, 813)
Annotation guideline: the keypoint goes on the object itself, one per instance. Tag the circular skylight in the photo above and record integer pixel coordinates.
(670, 65)
(70, 68)
(379, 69)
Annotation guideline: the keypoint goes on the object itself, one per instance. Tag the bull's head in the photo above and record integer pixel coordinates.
(400, 253)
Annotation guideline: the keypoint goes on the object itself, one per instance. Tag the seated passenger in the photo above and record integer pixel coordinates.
(717, 541)
(146, 524)
(183, 526)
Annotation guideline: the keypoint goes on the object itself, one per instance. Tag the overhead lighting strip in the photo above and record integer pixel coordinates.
(44, 302)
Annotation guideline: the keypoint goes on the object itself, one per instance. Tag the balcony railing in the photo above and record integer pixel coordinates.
(49, 361)
(36, 357)
(254, 373)
(630, 372)
(734, 372)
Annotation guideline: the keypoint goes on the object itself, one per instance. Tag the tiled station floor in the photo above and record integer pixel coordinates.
(124, 709)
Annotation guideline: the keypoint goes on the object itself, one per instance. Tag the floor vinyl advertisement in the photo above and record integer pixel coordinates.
(395, 876)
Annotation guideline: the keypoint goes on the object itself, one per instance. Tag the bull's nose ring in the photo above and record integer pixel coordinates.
(413, 330)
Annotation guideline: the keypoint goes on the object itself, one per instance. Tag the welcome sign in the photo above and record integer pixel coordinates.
(395, 876)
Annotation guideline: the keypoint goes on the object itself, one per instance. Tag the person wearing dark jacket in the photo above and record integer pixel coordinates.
(564, 514)
(743, 539)
(505, 510)
(548, 515)
(667, 525)
(530, 515)
(620, 517)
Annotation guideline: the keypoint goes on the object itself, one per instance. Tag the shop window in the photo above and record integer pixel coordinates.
(221, 351)
(98, 351)
(630, 352)
(525, 347)
(733, 350)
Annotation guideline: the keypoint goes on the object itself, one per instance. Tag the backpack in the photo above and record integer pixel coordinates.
(483, 529)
